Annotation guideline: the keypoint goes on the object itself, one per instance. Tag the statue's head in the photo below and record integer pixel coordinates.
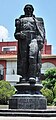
(28, 9)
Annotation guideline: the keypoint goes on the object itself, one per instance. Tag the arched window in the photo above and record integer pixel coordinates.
(1, 71)
(46, 65)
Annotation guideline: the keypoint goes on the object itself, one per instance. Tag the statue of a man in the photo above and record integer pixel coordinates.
(30, 34)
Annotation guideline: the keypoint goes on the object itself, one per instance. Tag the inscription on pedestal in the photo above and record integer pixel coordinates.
(26, 103)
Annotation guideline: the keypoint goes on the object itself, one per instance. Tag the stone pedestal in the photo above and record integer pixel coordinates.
(28, 97)
(27, 101)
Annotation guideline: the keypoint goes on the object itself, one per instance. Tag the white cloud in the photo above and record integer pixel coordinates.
(3, 33)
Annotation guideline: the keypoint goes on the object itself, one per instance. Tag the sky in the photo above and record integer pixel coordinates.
(12, 9)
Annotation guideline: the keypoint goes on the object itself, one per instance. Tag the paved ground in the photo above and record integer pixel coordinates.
(27, 118)
(3, 106)
(7, 106)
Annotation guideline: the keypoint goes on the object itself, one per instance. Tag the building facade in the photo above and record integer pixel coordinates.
(8, 60)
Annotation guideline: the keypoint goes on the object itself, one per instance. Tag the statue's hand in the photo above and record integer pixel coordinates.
(19, 35)
(40, 44)
(22, 35)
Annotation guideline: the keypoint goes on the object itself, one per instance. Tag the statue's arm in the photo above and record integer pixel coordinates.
(18, 32)
(17, 28)
(17, 25)
(41, 28)
(41, 35)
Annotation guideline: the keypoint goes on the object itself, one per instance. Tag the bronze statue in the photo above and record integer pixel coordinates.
(30, 33)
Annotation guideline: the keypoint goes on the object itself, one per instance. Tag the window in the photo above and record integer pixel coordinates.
(9, 48)
(47, 65)
(11, 68)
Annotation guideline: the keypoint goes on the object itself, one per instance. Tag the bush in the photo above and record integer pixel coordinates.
(6, 91)
(48, 94)
(49, 73)
(54, 101)
(49, 84)
(54, 90)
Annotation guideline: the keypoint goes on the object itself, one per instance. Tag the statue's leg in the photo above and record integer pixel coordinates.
(39, 64)
(22, 62)
(33, 49)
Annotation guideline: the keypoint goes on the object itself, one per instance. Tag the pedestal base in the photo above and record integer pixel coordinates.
(27, 101)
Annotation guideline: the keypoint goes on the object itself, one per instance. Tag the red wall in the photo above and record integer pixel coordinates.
(3, 44)
(3, 62)
(47, 49)
(51, 60)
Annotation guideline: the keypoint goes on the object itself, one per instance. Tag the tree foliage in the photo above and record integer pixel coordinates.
(48, 94)
(49, 86)
(6, 91)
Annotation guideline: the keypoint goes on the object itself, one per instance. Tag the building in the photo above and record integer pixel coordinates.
(48, 59)
(8, 60)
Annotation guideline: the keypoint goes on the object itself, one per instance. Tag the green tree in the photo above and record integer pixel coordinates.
(48, 94)
(49, 84)
(54, 90)
(6, 91)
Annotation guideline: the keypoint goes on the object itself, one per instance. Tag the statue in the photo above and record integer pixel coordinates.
(30, 33)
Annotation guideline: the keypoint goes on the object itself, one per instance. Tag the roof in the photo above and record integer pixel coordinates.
(14, 56)
(46, 56)
(8, 57)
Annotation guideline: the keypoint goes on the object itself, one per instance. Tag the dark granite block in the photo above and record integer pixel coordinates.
(27, 102)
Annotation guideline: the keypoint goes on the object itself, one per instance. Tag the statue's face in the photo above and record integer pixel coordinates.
(28, 11)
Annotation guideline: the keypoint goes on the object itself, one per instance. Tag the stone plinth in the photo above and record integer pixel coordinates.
(27, 88)
(28, 97)
(27, 101)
